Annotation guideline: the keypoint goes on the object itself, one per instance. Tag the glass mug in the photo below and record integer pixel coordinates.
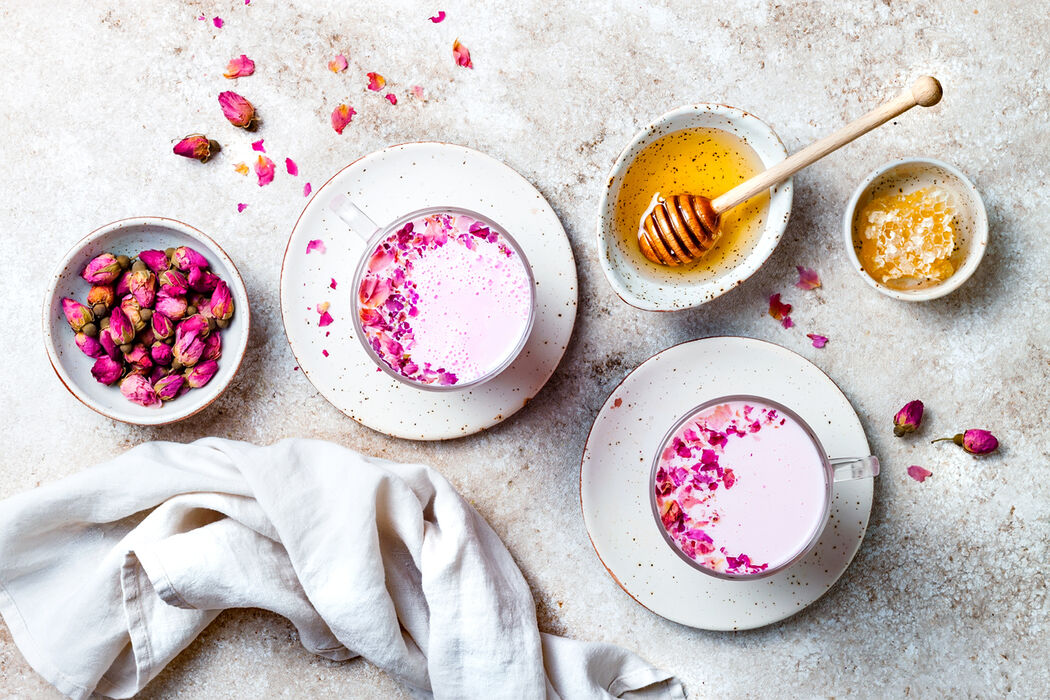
(443, 305)
(745, 519)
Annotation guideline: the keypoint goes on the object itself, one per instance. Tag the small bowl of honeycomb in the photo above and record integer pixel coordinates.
(916, 229)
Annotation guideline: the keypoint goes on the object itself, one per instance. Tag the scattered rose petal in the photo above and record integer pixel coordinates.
(918, 473)
(258, 146)
(439, 17)
(819, 341)
(376, 82)
(341, 116)
(338, 64)
(618, 402)
(325, 320)
(461, 55)
(807, 278)
(779, 310)
(241, 168)
(417, 90)
(239, 67)
(307, 189)
(202, 18)
(325, 353)
(333, 284)
(265, 169)
(291, 167)
(217, 21)
(317, 245)
(391, 98)
(241, 207)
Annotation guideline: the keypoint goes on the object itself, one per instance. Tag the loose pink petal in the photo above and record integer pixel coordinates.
(317, 245)
(779, 310)
(239, 67)
(333, 283)
(325, 353)
(417, 90)
(338, 64)
(787, 322)
(241, 207)
(439, 17)
(202, 18)
(217, 21)
(307, 189)
(376, 82)
(341, 116)
(918, 473)
(819, 341)
(265, 169)
(807, 278)
(258, 146)
(391, 98)
(461, 55)
(325, 320)
(291, 167)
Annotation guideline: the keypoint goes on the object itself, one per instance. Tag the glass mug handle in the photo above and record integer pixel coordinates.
(850, 468)
(354, 218)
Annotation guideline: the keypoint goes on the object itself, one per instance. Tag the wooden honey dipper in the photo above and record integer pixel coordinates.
(680, 230)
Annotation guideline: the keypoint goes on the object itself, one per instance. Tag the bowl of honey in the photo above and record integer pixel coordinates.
(704, 149)
(916, 229)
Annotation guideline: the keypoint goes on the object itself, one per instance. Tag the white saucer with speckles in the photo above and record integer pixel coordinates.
(617, 460)
(385, 185)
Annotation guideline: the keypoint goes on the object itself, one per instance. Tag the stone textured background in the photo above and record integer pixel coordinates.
(948, 595)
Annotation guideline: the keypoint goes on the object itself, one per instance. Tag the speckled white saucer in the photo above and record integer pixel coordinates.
(385, 185)
(617, 461)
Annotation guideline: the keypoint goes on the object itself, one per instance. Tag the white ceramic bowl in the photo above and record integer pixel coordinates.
(652, 288)
(971, 221)
(129, 237)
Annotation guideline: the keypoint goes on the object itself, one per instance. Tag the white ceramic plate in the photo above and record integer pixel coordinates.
(617, 460)
(385, 185)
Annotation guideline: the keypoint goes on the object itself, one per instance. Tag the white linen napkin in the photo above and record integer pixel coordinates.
(108, 574)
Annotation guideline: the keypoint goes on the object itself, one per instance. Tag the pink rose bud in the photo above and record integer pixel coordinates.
(137, 389)
(103, 269)
(133, 310)
(90, 346)
(161, 353)
(908, 418)
(120, 327)
(174, 307)
(168, 387)
(143, 286)
(196, 146)
(237, 109)
(155, 260)
(976, 442)
(157, 374)
(106, 341)
(162, 325)
(212, 347)
(188, 348)
(196, 324)
(139, 359)
(221, 302)
(200, 375)
(173, 283)
(203, 304)
(146, 335)
(122, 289)
(101, 294)
(201, 280)
(77, 314)
(184, 258)
(106, 370)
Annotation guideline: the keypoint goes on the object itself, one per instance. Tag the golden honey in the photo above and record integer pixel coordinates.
(704, 161)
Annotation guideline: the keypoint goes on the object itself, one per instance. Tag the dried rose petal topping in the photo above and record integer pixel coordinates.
(307, 189)
(461, 55)
(265, 169)
(918, 473)
(317, 245)
(807, 278)
(291, 167)
(217, 21)
(376, 82)
(338, 64)
(819, 341)
(325, 353)
(325, 319)
(241, 169)
(258, 146)
(779, 310)
(417, 91)
(341, 116)
(239, 67)
(241, 206)
(439, 17)
(391, 98)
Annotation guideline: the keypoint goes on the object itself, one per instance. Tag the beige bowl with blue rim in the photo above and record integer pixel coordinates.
(653, 288)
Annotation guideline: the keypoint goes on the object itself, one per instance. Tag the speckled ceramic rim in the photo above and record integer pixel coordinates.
(169, 412)
(385, 231)
(780, 197)
(829, 477)
(973, 255)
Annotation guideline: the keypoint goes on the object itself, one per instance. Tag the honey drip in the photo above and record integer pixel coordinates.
(907, 239)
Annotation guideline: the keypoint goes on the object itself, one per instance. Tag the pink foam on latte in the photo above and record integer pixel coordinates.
(740, 488)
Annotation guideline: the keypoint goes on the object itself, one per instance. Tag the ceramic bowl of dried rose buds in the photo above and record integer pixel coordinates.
(146, 320)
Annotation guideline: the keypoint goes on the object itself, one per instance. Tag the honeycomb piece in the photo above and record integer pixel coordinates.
(907, 239)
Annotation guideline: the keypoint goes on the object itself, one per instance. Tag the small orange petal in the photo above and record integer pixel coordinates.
(241, 168)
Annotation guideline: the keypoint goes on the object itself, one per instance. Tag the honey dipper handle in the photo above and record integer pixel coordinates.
(925, 91)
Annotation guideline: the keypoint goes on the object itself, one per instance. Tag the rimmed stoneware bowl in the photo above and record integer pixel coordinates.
(129, 237)
(649, 287)
(971, 224)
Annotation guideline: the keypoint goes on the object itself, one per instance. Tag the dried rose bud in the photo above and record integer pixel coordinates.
(203, 304)
(146, 336)
(174, 307)
(908, 418)
(91, 346)
(103, 269)
(173, 283)
(212, 347)
(161, 353)
(185, 258)
(195, 324)
(101, 294)
(106, 341)
(122, 289)
(169, 387)
(106, 370)
(188, 348)
(143, 285)
(133, 310)
(156, 260)
(161, 325)
(157, 374)
(238, 110)
(974, 441)
(120, 328)
(201, 280)
(196, 146)
(77, 314)
(200, 375)
(139, 358)
(221, 302)
(137, 389)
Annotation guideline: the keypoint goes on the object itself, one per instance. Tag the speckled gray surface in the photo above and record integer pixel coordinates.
(947, 596)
